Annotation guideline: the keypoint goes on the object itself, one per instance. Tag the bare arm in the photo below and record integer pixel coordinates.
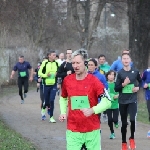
(31, 74)
(12, 74)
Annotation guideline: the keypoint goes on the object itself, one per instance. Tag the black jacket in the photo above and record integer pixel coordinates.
(62, 71)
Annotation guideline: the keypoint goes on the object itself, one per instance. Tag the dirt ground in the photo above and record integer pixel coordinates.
(26, 119)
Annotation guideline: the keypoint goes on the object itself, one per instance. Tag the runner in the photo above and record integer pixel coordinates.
(92, 69)
(113, 112)
(41, 88)
(117, 64)
(83, 124)
(23, 76)
(126, 85)
(148, 134)
(48, 71)
(66, 67)
(103, 65)
(64, 70)
(36, 76)
(146, 83)
(61, 58)
(103, 68)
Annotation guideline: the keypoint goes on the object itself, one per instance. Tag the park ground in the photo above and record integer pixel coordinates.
(26, 120)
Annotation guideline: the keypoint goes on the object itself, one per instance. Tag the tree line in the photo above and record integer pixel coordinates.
(76, 23)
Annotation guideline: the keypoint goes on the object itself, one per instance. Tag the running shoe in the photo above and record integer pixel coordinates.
(112, 136)
(52, 120)
(148, 134)
(22, 101)
(132, 145)
(117, 125)
(25, 95)
(124, 146)
(43, 117)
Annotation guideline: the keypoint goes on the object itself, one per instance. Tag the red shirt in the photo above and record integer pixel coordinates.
(91, 86)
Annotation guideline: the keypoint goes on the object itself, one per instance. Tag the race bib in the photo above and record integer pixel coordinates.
(128, 88)
(79, 102)
(23, 74)
(52, 76)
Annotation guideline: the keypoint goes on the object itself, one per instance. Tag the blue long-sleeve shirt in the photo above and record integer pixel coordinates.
(117, 65)
(146, 79)
(101, 77)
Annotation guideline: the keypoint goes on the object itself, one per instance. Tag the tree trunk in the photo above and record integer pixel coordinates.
(139, 32)
(85, 33)
(94, 20)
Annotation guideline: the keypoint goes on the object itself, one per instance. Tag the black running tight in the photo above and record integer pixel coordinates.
(124, 110)
(23, 82)
(112, 118)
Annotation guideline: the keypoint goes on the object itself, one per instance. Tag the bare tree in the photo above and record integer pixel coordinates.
(89, 22)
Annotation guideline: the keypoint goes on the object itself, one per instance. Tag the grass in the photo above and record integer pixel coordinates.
(142, 115)
(10, 139)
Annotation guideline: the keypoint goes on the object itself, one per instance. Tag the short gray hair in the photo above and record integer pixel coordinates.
(21, 56)
(82, 52)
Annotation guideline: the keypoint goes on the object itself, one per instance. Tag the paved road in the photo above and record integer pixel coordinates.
(25, 119)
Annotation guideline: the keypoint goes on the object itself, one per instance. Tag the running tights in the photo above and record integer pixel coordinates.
(124, 110)
(23, 81)
(112, 118)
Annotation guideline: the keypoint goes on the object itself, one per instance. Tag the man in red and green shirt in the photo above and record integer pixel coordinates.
(82, 90)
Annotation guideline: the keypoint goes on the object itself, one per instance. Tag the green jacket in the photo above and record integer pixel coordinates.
(114, 103)
(51, 68)
(104, 68)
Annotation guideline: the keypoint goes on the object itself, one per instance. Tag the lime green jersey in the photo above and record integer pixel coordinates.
(48, 67)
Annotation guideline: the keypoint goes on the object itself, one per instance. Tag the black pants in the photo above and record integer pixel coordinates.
(148, 105)
(112, 118)
(124, 110)
(23, 81)
(42, 95)
(148, 108)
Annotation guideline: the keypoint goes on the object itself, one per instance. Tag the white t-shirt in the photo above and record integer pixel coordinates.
(60, 61)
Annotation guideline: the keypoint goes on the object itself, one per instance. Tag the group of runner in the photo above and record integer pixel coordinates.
(88, 88)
